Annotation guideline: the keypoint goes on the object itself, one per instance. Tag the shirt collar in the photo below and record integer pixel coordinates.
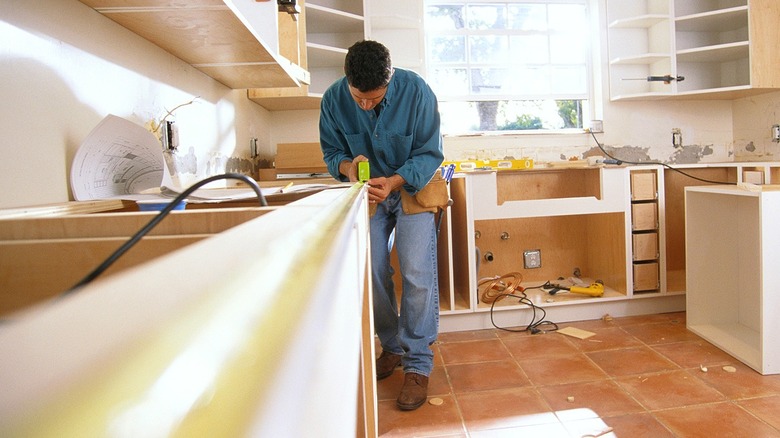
(390, 90)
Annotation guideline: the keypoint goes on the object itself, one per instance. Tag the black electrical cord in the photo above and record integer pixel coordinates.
(658, 163)
(535, 323)
(159, 217)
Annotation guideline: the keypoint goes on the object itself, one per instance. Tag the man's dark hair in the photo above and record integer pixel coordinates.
(368, 66)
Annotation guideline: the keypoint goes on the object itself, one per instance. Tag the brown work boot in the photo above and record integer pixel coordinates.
(386, 363)
(413, 393)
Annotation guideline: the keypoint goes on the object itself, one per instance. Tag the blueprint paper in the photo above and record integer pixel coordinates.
(122, 160)
(118, 158)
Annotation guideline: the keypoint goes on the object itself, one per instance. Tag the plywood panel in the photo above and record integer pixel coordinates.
(645, 246)
(201, 221)
(210, 36)
(646, 277)
(674, 193)
(460, 239)
(644, 216)
(66, 208)
(595, 244)
(33, 271)
(548, 184)
(300, 158)
(764, 34)
(644, 186)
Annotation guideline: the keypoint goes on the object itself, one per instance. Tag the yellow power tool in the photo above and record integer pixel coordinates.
(596, 289)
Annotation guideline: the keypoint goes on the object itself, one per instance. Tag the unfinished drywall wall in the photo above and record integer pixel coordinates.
(753, 120)
(64, 67)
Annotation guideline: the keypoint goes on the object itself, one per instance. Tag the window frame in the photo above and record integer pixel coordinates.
(591, 46)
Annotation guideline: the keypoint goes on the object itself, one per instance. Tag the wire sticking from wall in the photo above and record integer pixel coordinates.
(657, 163)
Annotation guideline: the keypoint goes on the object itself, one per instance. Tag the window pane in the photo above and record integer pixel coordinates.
(458, 117)
(444, 17)
(531, 81)
(567, 50)
(568, 18)
(528, 17)
(488, 80)
(484, 49)
(521, 115)
(487, 17)
(447, 49)
(449, 81)
(511, 115)
(529, 49)
(568, 80)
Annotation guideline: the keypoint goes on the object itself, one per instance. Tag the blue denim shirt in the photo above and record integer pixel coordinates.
(405, 138)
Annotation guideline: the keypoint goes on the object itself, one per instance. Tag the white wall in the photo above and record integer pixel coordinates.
(753, 120)
(63, 67)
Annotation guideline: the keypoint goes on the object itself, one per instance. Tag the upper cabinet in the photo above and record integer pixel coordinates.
(639, 41)
(240, 43)
(719, 49)
(332, 26)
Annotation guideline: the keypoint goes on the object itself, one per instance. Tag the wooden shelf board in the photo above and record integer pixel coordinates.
(324, 56)
(322, 19)
(287, 103)
(721, 20)
(715, 54)
(642, 21)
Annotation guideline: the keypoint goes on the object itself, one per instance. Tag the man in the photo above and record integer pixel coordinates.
(389, 116)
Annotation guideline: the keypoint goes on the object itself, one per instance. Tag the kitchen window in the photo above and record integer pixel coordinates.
(509, 65)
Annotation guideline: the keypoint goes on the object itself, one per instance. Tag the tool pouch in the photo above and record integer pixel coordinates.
(431, 198)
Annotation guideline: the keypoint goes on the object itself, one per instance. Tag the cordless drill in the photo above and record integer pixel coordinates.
(595, 289)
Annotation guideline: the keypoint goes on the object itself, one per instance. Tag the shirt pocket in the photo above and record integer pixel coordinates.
(397, 149)
(358, 143)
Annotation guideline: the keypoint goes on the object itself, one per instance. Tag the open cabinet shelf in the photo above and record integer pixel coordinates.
(722, 49)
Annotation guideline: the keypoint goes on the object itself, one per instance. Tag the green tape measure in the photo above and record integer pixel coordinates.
(364, 174)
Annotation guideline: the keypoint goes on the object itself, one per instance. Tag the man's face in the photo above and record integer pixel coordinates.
(368, 100)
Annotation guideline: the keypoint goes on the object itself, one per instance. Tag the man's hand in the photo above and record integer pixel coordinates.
(380, 188)
(349, 169)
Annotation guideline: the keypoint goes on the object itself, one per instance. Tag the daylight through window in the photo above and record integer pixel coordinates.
(509, 66)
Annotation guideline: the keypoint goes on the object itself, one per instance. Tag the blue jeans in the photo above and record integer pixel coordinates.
(413, 331)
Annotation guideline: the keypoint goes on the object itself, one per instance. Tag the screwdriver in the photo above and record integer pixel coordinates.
(665, 79)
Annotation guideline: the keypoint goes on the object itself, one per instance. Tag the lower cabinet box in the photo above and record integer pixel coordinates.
(645, 246)
(644, 216)
(643, 186)
(69, 247)
(646, 277)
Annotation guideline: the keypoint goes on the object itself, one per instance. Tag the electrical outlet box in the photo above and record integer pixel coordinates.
(170, 136)
(676, 137)
(532, 258)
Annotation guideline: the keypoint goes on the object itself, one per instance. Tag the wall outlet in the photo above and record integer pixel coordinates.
(532, 258)
(170, 136)
(676, 137)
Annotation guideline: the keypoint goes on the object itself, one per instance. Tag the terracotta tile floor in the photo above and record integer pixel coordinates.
(637, 377)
